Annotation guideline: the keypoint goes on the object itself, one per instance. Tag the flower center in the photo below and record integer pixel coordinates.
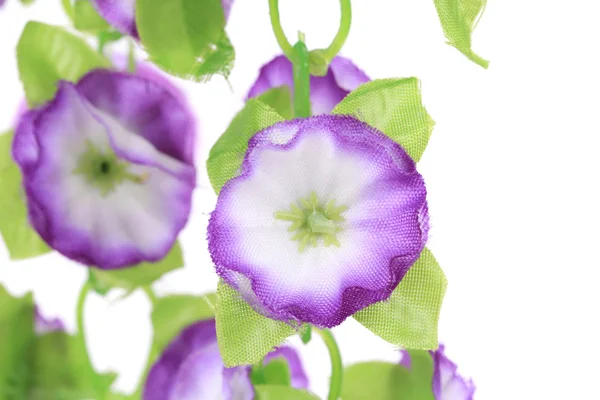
(313, 223)
(104, 170)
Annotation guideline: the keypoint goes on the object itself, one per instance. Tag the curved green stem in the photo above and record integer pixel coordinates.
(85, 290)
(285, 45)
(151, 354)
(335, 385)
(342, 34)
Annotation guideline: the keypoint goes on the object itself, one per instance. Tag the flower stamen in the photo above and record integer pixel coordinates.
(312, 223)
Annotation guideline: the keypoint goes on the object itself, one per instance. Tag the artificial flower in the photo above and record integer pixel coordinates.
(108, 169)
(121, 14)
(325, 217)
(447, 383)
(191, 368)
(325, 91)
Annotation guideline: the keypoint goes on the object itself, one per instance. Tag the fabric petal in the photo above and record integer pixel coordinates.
(447, 383)
(118, 13)
(44, 325)
(325, 92)
(136, 222)
(338, 158)
(146, 106)
(299, 379)
(237, 384)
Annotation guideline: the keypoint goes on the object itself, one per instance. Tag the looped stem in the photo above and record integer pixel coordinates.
(335, 46)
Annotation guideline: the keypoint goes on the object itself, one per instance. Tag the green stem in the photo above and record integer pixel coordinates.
(151, 354)
(301, 79)
(285, 45)
(85, 290)
(342, 34)
(335, 385)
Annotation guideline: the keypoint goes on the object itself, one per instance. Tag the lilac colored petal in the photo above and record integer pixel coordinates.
(447, 383)
(237, 384)
(299, 379)
(405, 360)
(325, 92)
(339, 158)
(118, 13)
(43, 325)
(191, 368)
(138, 222)
(146, 106)
(2, 2)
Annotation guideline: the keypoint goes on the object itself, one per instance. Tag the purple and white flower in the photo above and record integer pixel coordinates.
(108, 169)
(325, 91)
(447, 383)
(120, 14)
(191, 368)
(326, 217)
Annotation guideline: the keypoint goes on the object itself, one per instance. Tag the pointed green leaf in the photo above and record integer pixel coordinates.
(87, 19)
(244, 335)
(459, 19)
(21, 240)
(280, 98)
(185, 37)
(228, 152)
(409, 318)
(173, 313)
(47, 54)
(394, 107)
(143, 274)
(386, 381)
(59, 368)
(275, 392)
(16, 337)
(276, 372)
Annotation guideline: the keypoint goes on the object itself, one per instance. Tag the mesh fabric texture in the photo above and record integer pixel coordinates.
(394, 107)
(459, 19)
(409, 318)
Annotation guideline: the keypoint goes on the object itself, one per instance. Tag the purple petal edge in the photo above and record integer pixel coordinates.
(299, 379)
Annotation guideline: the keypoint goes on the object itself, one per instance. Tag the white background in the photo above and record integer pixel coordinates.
(512, 170)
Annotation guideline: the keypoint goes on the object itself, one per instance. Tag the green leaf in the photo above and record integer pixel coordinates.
(280, 98)
(409, 318)
(59, 368)
(275, 392)
(385, 381)
(219, 60)
(228, 152)
(21, 240)
(421, 374)
(185, 37)
(16, 337)
(244, 335)
(27, 2)
(319, 62)
(171, 314)
(47, 54)
(276, 372)
(143, 274)
(87, 19)
(394, 107)
(459, 19)
(306, 335)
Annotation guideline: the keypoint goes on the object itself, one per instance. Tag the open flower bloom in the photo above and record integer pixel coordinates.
(191, 368)
(108, 169)
(326, 217)
(121, 14)
(447, 383)
(325, 91)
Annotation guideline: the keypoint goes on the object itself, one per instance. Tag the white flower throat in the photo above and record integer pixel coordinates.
(313, 223)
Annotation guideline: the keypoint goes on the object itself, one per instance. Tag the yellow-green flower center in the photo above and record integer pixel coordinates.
(312, 223)
(104, 170)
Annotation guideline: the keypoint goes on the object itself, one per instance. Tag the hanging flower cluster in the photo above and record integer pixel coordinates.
(321, 212)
